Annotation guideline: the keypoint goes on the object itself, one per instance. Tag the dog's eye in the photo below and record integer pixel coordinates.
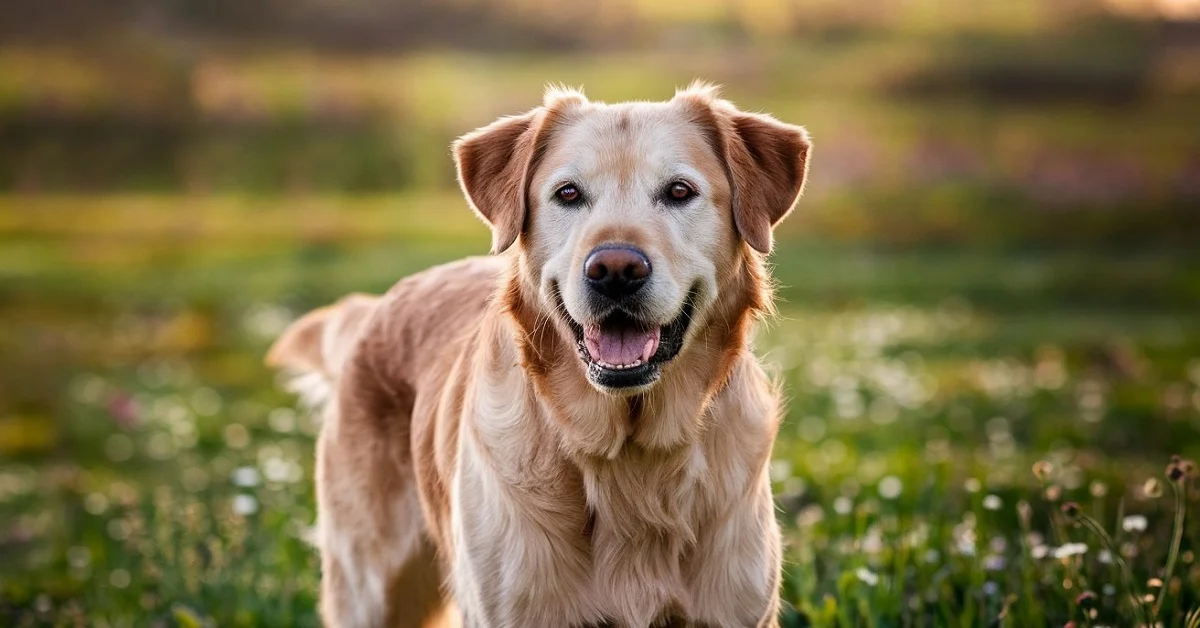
(679, 192)
(568, 194)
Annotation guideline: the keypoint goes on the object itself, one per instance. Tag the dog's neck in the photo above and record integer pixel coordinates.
(669, 416)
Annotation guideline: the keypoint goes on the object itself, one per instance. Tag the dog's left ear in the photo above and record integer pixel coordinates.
(767, 161)
(492, 163)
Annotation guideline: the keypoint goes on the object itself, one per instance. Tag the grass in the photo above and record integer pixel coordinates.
(153, 473)
(982, 281)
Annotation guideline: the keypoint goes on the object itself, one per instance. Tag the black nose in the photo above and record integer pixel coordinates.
(616, 270)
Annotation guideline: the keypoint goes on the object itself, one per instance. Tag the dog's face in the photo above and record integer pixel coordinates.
(631, 217)
(629, 221)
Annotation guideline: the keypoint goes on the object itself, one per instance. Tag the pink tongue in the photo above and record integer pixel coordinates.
(618, 347)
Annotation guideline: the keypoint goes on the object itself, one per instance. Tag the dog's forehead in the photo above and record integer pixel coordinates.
(605, 139)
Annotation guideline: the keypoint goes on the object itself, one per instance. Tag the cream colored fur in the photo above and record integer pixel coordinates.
(469, 472)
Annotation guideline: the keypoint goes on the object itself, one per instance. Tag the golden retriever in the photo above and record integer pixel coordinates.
(573, 431)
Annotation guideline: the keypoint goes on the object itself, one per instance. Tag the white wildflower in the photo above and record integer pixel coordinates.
(245, 477)
(873, 542)
(890, 487)
(1134, 523)
(867, 576)
(245, 505)
(280, 470)
(1070, 549)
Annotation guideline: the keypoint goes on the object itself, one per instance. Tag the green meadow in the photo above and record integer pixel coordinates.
(987, 327)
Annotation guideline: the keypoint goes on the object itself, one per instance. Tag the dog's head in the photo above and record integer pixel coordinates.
(630, 219)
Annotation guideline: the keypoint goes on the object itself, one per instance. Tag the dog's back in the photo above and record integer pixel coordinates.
(423, 317)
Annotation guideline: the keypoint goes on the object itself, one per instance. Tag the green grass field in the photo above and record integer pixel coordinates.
(995, 267)
(154, 474)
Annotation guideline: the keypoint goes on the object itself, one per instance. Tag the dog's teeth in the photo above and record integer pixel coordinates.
(619, 367)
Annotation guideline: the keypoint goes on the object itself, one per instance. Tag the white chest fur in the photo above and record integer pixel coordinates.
(544, 538)
(650, 534)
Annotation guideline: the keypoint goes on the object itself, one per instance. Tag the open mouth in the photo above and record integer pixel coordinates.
(622, 351)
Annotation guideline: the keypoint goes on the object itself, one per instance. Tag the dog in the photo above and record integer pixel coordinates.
(573, 431)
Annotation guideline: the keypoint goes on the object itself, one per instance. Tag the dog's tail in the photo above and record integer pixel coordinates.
(315, 348)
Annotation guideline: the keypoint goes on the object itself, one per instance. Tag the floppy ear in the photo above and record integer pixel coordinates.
(492, 164)
(768, 161)
(495, 162)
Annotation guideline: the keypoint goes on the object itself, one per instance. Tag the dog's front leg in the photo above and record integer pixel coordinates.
(735, 580)
(520, 553)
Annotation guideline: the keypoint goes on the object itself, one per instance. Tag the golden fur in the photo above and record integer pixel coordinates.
(469, 471)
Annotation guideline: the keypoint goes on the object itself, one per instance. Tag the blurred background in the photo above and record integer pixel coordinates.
(996, 264)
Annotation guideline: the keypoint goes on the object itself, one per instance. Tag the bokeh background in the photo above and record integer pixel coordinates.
(996, 264)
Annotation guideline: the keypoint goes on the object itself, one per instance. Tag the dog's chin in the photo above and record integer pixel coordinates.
(648, 347)
(629, 381)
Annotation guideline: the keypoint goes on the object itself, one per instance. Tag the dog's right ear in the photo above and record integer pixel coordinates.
(492, 164)
(495, 162)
